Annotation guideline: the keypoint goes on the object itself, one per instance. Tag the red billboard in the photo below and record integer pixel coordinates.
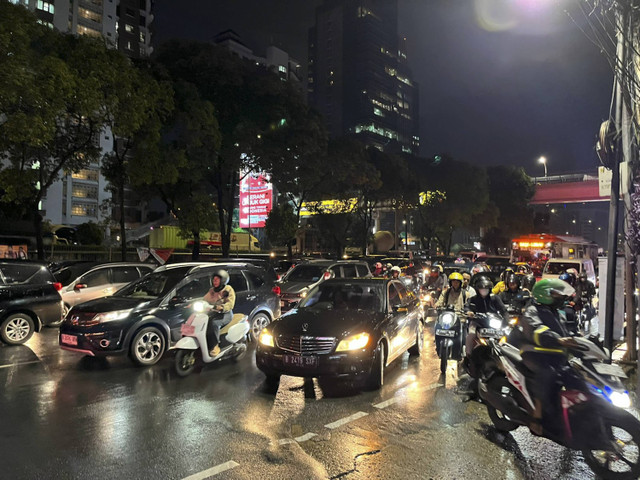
(256, 199)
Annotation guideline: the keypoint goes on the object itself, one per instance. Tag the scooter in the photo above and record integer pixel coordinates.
(450, 334)
(484, 327)
(233, 339)
(588, 414)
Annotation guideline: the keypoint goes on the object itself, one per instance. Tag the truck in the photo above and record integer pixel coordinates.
(168, 236)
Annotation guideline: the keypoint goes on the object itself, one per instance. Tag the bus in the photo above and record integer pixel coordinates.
(537, 248)
(168, 236)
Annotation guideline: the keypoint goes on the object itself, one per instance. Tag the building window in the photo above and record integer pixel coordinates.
(282, 68)
(82, 30)
(46, 24)
(85, 191)
(129, 46)
(89, 15)
(142, 37)
(128, 28)
(45, 6)
(83, 210)
(86, 174)
(130, 12)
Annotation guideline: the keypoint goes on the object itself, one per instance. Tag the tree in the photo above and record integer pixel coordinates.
(281, 226)
(52, 126)
(133, 100)
(90, 233)
(175, 162)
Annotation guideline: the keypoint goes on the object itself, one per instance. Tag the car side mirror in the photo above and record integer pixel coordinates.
(79, 286)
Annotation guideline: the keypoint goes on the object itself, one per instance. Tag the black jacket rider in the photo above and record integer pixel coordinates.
(490, 303)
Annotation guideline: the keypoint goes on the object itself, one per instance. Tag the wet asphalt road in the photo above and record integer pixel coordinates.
(66, 416)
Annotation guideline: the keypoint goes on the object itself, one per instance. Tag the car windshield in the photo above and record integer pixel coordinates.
(344, 296)
(556, 268)
(154, 285)
(304, 273)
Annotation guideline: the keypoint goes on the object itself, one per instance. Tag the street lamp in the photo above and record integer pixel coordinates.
(543, 161)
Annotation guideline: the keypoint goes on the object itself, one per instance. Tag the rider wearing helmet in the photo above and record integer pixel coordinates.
(585, 290)
(542, 337)
(485, 301)
(528, 281)
(512, 297)
(568, 277)
(501, 286)
(436, 280)
(378, 270)
(223, 298)
(395, 272)
(454, 296)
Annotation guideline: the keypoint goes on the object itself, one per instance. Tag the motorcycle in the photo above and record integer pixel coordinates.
(589, 415)
(233, 339)
(484, 327)
(428, 298)
(450, 334)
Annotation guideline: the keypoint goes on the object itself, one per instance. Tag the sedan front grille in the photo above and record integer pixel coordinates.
(306, 345)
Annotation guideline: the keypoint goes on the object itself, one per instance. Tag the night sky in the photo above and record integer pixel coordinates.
(501, 81)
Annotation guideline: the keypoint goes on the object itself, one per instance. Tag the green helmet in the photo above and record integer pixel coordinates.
(552, 291)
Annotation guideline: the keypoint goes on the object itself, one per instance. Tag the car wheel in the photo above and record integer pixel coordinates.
(147, 346)
(258, 323)
(17, 329)
(376, 376)
(416, 350)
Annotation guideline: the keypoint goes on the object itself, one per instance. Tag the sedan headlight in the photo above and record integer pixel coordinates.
(112, 316)
(354, 342)
(495, 323)
(266, 339)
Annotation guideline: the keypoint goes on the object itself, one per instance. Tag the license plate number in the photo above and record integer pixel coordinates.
(488, 332)
(69, 339)
(300, 361)
(187, 330)
(445, 333)
(606, 369)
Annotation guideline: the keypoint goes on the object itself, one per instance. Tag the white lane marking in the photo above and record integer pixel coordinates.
(342, 421)
(300, 439)
(223, 467)
(386, 403)
(19, 363)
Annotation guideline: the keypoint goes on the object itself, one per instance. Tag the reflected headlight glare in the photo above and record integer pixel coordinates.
(199, 306)
(112, 316)
(354, 342)
(513, 321)
(495, 323)
(620, 399)
(266, 339)
(447, 320)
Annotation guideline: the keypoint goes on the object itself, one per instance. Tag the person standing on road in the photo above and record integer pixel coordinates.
(223, 298)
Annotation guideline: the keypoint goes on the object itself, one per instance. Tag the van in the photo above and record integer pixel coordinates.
(555, 266)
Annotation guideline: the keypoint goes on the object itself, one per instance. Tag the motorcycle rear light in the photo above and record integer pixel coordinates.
(277, 290)
(57, 286)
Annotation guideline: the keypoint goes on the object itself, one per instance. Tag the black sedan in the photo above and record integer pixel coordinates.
(345, 329)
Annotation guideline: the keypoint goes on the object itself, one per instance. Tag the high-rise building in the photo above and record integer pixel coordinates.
(359, 79)
(124, 24)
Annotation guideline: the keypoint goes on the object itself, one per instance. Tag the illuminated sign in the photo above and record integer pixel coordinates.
(256, 199)
(531, 244)
(328, 206)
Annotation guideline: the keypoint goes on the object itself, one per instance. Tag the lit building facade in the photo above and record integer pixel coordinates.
(359, 79)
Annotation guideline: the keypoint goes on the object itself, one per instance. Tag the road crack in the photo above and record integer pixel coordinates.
(355, 464)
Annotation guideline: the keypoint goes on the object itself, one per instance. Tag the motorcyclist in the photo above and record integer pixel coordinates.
(501, 286)
(571, 321)
(542, 338)
(466, 285)
(436, 280)
(513, 297)
(485, 301)
(528, 281)
(395, 272)
(585, 291)
(454, 296)
(223, 298)
(378, 270)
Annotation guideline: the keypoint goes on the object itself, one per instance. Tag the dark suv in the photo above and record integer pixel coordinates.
(307, 274)
(29, 300)
(144, 318)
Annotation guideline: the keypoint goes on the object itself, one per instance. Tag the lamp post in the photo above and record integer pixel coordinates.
(543, 161)
(406, 238)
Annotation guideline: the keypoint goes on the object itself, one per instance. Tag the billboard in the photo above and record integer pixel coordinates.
(256, 199)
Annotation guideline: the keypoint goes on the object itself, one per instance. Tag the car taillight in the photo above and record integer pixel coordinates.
(276, 290)
(327, 275)
(57, 286)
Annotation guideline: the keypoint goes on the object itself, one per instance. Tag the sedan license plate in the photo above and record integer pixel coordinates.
(488, 332)
(187, 330)
(68, 339)
(606, 369)
(445, 333)
(300, 361)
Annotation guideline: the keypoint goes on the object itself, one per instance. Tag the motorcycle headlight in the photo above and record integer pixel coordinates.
(354, 342)
(199, 306)
(620, 399)
(266, 339)
(112, 316)
(495, 323)
(447, 320)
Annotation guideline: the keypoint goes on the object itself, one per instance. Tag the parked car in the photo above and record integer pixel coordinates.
(295, 285)
(99, 281)
(343, 329)
(29, 300)
(67, 271)
(143, 319)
